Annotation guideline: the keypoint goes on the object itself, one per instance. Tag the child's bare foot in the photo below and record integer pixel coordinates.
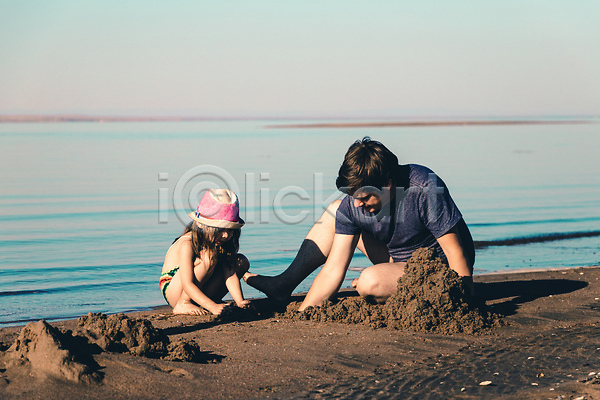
(354, 282)
(272, 286)
(188, 307)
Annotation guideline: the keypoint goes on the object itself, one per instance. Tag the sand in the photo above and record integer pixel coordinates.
(547, 347)
(430, 298)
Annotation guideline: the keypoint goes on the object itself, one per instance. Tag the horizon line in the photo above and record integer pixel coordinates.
(375, 121)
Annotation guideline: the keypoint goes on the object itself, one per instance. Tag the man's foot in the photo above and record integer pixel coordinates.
(269, 285)
(188, 307)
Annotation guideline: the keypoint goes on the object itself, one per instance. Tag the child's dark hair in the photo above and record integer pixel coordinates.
(367, 163)
(204, 238)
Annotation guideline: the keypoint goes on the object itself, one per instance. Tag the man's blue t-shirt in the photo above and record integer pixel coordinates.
(420, 212)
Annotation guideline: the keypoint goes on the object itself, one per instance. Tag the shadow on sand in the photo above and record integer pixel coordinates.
(514, 293)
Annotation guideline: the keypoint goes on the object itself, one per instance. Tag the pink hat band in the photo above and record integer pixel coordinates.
(219, 208)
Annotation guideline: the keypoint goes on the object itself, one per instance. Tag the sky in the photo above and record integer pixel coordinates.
(307, 58)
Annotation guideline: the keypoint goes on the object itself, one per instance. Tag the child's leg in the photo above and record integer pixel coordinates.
(215, 287)
(181, 301)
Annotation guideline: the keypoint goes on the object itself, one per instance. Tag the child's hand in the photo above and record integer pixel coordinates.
(218, 309)
(243, 304)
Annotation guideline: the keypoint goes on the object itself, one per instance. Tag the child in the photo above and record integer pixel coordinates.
(203, 263)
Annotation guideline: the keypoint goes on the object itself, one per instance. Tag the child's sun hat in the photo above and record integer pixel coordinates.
(219, 208)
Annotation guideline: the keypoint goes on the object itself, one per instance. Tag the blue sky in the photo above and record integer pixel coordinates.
(310, 58)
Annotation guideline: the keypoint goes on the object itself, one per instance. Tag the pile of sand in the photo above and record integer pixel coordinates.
(188, 351)
(69, 355)
(120, 334)
(51, 353)
(430, 298)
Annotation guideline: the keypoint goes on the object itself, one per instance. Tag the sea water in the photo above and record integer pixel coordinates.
(88, 210)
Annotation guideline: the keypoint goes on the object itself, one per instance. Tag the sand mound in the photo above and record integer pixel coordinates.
(50, 353)
(430, 298)
(121, 334)
(185, 350)
(69, 355)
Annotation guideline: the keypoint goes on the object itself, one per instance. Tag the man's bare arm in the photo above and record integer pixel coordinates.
(450, 244)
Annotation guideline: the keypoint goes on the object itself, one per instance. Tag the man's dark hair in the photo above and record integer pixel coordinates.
(367, 163)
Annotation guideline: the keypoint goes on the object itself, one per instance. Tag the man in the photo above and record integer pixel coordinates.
(390, 211)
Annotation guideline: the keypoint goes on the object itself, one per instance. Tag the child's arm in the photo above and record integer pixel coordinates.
(189, 280)
(235, 289)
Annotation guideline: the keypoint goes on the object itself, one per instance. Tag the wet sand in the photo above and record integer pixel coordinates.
(547, 347)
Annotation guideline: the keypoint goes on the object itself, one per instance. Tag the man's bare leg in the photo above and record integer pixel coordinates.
(379, 281)
(312, 254)
(375, 251)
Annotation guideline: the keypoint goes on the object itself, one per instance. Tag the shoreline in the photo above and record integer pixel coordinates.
(548, 348)
(20, 324)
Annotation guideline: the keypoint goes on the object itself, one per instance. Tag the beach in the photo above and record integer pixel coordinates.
(546, 348)
(100, 243)
(115, 123)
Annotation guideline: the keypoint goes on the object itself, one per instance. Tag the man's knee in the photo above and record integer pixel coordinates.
(335, 204)
(368, 284)
(332, 208)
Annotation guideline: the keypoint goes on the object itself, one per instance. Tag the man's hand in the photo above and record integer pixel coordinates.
(467, 282)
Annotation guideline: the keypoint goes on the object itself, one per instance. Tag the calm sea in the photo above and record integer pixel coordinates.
(88, 210)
